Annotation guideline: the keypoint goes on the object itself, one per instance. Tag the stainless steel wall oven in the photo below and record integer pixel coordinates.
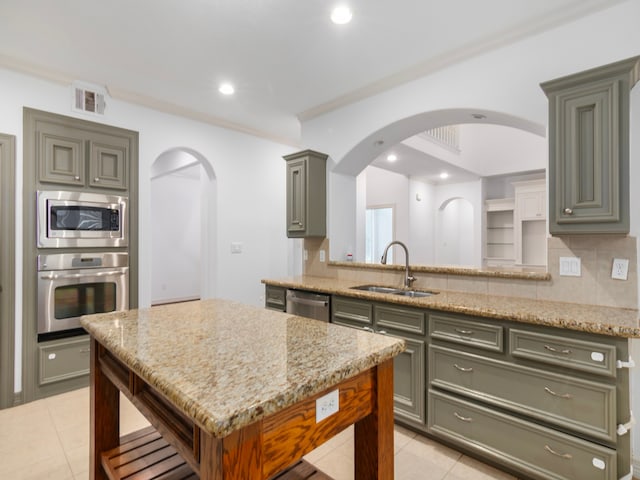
(81, 219)
(74, 284)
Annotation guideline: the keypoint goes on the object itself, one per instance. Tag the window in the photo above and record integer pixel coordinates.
(378, 233)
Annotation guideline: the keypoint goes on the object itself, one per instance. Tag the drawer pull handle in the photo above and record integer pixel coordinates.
(464, 419)
(555, 350)
(463, 369)
(566, 396)
(566, 456)
(464, 332)
(368, 329)
(85, 350)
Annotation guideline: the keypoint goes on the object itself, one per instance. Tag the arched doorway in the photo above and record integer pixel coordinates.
(455, 233)
(182, 227)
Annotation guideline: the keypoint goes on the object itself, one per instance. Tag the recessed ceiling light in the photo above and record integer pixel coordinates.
(444, 175)
(226, 89)
(341, 15)
(392, 158)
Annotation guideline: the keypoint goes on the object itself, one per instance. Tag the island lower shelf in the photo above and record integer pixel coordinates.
(145, 455)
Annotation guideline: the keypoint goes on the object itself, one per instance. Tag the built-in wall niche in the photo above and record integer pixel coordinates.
(516, 226)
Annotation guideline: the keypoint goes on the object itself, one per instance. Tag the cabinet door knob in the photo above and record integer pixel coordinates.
(568, 211)
(76, 178)
(96, 180)
(300, 223)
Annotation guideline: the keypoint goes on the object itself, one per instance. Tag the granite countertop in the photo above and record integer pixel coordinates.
(618, 322)
(226, 364)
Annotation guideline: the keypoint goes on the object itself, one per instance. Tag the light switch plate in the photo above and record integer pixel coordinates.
(322, 255)
(570, 267)
(620, 269)
(236, 247)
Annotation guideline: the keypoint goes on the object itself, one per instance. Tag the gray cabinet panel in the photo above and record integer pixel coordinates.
(108, 166)
(62, 360)
(61, 158)
(409, 383)
(570, 403)
(591, 357)
(275, 298)
(466, 332)
(347, 311)
(539, 452)
(306, 194)
(405, 320)
(589, 149)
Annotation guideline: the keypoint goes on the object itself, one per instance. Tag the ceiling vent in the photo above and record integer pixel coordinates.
(88, 98)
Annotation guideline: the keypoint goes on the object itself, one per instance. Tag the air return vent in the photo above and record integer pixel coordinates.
(88, 99)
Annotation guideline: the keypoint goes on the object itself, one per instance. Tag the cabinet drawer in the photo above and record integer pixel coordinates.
(351, 312)
(539, 452)
(580, 405)
(571, 353)
(275, 298)
(466, 332)
(405, 320)
(62, 361)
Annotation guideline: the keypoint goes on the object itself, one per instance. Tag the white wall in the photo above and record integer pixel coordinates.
(250, 191)
(386, 188)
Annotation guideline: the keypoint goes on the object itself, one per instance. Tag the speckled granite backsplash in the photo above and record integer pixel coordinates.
(594, 287)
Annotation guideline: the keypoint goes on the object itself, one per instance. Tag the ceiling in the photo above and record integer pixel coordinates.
(287, 60)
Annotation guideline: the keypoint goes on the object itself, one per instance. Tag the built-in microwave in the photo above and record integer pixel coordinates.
(81, 219)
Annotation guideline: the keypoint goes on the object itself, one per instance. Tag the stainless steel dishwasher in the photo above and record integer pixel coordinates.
(309, 304)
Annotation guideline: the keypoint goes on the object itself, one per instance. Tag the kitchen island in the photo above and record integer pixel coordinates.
(235, 392)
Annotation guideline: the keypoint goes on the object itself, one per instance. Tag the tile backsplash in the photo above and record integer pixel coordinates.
(595, 285)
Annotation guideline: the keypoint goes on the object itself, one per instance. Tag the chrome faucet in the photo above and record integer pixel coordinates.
(408, 278)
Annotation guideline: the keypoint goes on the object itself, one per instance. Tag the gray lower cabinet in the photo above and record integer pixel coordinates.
(60, 360)
(589, 149)
(275, 298)
(541, 401)
(409, 368)
(522, 445)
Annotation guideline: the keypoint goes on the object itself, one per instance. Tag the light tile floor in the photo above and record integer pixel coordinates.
(49, 439)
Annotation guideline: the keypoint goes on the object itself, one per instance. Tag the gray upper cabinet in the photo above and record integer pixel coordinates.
(589, 149)
(82, 158)
(306, 194)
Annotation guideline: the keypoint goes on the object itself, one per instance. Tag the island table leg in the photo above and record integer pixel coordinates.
(374, 453)
(105, 415)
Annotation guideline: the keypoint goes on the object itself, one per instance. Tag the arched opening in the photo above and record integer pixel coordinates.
(455, 233)
(182, 227)
(495, 148)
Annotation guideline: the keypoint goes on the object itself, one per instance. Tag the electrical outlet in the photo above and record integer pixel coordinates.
(620, 268)
(236, 247)
(322, 254)
(327, 405)
(570, 267)
(306, 254)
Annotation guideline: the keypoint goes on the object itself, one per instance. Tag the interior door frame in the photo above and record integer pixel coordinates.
(7, 272)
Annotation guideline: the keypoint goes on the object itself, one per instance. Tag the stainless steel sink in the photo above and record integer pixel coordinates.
(394, 291)
(413, 293)
(376, 289)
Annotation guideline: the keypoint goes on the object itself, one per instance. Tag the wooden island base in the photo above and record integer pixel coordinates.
(176, 448)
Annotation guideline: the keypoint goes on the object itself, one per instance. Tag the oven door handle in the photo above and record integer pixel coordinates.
(54, 276)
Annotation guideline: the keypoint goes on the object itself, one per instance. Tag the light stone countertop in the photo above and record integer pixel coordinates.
(618, 322)
(226, 365)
